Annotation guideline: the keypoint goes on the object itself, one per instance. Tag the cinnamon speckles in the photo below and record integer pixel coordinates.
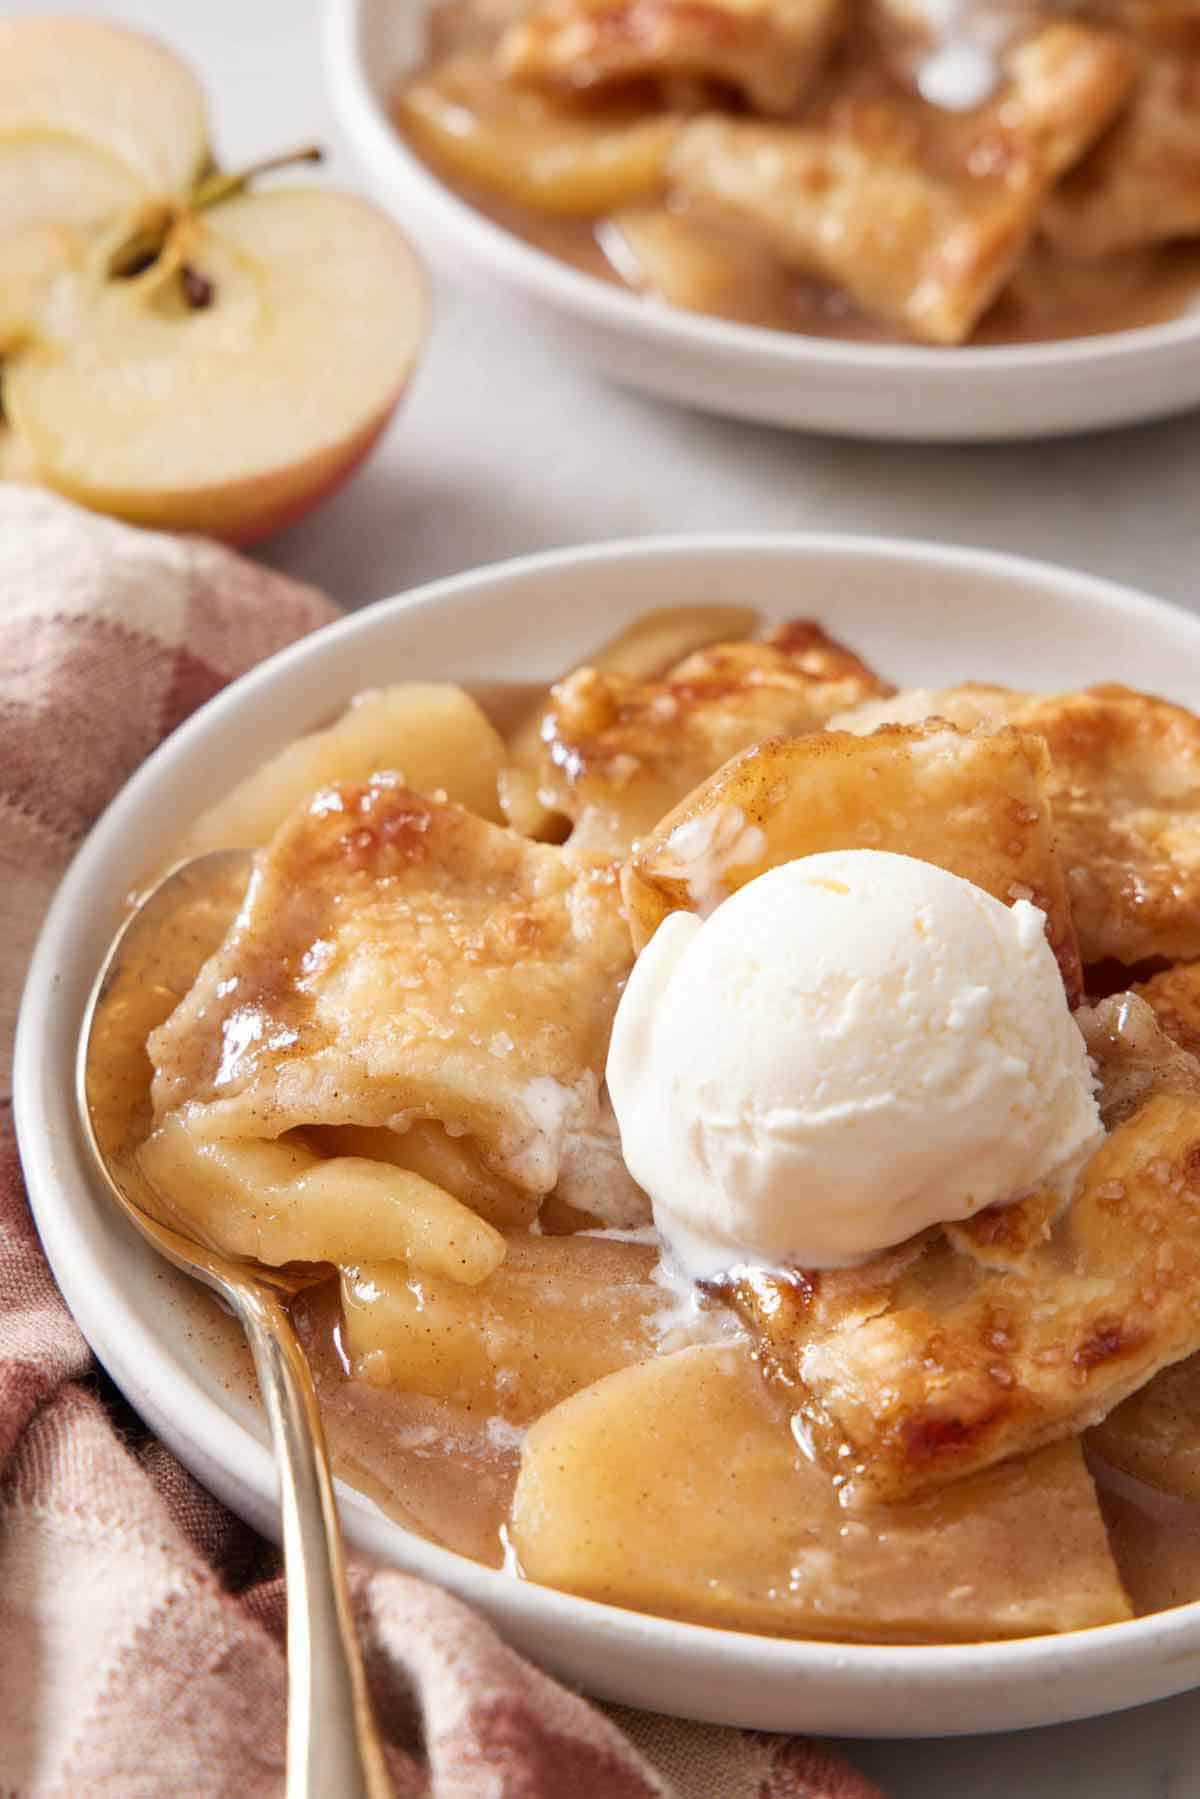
(1109, 1337)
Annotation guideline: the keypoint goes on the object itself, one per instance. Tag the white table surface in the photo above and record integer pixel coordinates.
(503, 447)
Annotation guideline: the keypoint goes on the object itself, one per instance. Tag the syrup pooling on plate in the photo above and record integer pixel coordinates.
(959, 1437)
(1038, 167)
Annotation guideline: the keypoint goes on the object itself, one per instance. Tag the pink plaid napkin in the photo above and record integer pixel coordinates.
(141, 1625)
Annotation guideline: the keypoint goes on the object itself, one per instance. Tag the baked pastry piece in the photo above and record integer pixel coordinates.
(989, 1338)
(1155, 1433)
(646, 649)
(920, 216)
(1125, 787)
(1124, 784)
(1140, 185)
(674, 1486)
(399, 959)
(617, 752)
(976, 805)
(769, 50)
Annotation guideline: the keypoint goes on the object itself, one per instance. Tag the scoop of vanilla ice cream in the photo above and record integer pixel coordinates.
(854, 1046)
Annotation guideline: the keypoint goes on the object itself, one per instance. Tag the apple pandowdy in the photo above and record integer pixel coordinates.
(892, 170)
(387, 1056)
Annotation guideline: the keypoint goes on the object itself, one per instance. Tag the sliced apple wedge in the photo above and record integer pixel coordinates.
(530, 149)
(236, 378)
(118, 95)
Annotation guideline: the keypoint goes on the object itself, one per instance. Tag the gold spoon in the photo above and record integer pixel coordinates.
(333, 1747)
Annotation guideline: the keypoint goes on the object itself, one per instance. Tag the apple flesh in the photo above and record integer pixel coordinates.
(94, 121)
(121, 97)
(81, 191)
(233, 415)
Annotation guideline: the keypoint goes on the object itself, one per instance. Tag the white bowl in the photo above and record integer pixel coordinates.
(776, 377)
(923, 615)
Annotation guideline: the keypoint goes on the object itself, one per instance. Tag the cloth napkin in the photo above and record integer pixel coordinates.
(141, 1625)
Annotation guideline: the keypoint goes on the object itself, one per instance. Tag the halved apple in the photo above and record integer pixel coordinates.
(179, 351)
(233, 381)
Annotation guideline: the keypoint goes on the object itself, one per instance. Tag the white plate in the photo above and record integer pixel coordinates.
(776, 377)
(923, 615)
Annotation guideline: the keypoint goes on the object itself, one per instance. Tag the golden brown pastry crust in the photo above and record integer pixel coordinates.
(919, 215)
(770, 50)
(1125, 787)
(1141, 184)
(1124, 784)
(945, 1356)
(977, 805)
(397, 957)
(619, 753)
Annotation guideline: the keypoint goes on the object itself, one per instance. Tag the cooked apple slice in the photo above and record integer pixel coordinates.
(427, 1148)
(695, 263)
(237, 378)
(675, 1487)
(1155, 1435)
(534, 151)
(432, 731)
(555, 1315)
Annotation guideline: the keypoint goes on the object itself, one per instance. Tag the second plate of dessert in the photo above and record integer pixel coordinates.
(784, 215)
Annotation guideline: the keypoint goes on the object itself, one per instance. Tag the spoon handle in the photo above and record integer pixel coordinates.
(333, 1746)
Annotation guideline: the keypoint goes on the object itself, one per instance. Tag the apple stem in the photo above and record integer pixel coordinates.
(215, 188)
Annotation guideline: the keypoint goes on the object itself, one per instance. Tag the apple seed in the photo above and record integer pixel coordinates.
(198, 290)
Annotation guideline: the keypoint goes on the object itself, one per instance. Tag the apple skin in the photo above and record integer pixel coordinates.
(248, 513)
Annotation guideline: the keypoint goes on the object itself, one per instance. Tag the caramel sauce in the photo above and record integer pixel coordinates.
(1048, 300)
(1155, 1540)
(436, 1469)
